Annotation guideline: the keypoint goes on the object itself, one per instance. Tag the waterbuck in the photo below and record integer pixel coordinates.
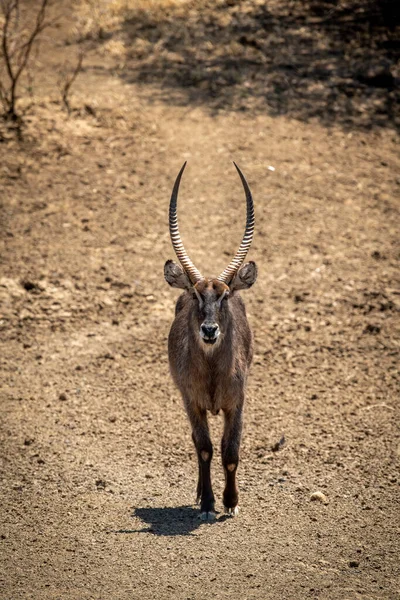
(210, 349)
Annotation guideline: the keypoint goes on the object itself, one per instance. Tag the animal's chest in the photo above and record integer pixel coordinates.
(211, 387)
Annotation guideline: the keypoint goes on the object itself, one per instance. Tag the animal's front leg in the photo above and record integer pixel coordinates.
(200, 477)
(204, 449)
(230, 457)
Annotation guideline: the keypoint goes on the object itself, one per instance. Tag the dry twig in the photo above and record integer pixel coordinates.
(68, 80)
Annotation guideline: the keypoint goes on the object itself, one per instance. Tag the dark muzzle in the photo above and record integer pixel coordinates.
(209, 333)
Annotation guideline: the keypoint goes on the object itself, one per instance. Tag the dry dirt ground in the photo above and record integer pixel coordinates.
(97, 466)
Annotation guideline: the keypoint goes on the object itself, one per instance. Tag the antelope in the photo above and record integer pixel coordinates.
(210, 349)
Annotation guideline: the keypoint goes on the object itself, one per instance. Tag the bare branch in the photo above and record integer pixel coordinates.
(66, 85)
(17, 47)
(40, 25)
(3, 97)
(8, 8)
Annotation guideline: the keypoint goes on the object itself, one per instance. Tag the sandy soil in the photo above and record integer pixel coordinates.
(98, 472)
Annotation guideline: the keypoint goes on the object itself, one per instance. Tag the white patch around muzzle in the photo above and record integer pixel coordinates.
(210, 341)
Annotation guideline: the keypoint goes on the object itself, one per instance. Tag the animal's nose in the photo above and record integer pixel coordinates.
(209, 331)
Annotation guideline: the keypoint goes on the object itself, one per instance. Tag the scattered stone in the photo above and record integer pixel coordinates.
(120, 284)
(100, 484)
(378, 77)
(25, 314)
(319, 497)
(107, 301)
(278, 445)
(372, 329)
(62, 397)
(91, 111)
(29, 286)
(266, 459)
(354, 564)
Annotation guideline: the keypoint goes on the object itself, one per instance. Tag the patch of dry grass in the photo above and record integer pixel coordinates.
(98, 19)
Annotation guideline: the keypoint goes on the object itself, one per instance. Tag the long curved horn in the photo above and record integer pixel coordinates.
(230, 271)
(192, 272)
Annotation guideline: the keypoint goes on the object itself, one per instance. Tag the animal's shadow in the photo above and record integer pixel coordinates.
(178, 520)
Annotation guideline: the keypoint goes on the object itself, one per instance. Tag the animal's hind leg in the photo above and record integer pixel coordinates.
(204, 449)
(230, 457)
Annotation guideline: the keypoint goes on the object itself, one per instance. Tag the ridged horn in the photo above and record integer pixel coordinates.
(233, 267)
(190, 269)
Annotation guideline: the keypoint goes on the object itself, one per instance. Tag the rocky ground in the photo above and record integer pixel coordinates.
(98, 471)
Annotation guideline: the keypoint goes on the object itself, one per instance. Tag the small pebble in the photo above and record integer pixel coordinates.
(320, 497)
(353, 563)
(278, 445)
(62, 396)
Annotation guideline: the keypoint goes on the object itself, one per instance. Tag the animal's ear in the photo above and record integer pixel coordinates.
(176, 276)
(245, 277)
